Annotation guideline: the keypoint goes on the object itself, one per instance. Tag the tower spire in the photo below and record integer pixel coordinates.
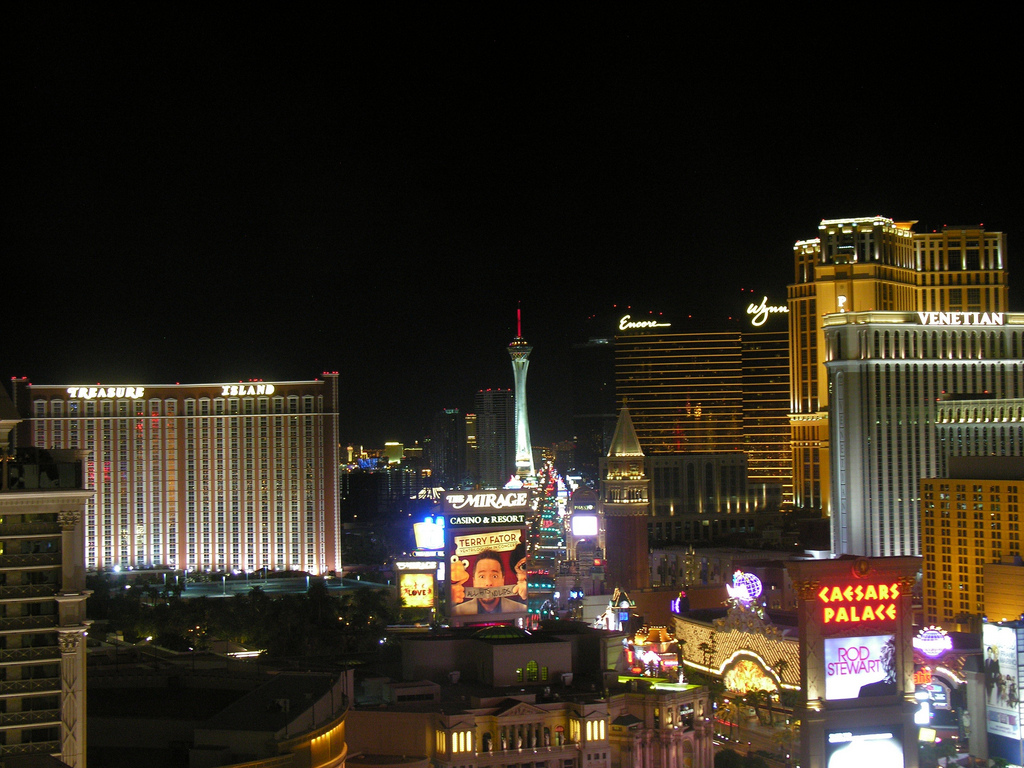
(519, 351)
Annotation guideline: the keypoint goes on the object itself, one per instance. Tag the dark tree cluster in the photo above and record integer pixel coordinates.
(316, 623)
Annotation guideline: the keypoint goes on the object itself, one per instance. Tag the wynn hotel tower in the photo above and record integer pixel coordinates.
(236, 476)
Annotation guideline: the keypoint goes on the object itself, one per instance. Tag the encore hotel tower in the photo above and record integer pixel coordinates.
(200, 476)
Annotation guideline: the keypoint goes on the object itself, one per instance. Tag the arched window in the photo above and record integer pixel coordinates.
(531, 671)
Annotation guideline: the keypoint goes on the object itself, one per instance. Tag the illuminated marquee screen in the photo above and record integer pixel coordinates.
(584, 525)
(877, 747)
(416, 590)
(485, 547)
(1003, 673)
(855, 603)
(858, 667)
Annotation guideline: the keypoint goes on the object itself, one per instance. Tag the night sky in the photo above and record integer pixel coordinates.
(201, 199)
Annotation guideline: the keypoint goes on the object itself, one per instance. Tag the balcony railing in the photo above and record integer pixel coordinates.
(31, 718)
(27, 591)
(31, 748)
(33, 685)
(29, 655)
(30, 529)
(26, 561)
(20, 623)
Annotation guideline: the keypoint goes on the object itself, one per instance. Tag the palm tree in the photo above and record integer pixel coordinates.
(730, 711)
(705, 650)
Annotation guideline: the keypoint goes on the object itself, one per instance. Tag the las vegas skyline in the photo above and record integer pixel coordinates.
(285, 196)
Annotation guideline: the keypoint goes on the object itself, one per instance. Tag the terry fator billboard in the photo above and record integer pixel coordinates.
(485, 548)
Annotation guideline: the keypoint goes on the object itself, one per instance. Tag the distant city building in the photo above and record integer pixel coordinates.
(593, 401)
(42, 588)
(888, 375)
(970, 520)
(448, 445)
(625, 506)
(495, 436)
(873, 264)
(200, 476)
(472, 450)
(394, 452)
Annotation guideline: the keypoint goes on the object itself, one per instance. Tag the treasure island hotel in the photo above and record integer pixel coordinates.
(199, 476)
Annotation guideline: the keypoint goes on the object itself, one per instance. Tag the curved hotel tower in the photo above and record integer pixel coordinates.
(520, 351)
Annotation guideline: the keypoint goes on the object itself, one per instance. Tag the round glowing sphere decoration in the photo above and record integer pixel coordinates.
(746, 587)
(933, 641)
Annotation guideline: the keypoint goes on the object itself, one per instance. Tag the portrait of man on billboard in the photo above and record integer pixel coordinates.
(489, 582)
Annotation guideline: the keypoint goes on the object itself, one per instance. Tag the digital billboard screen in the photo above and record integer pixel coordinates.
(878, 747)
(584, 525)
(416, 590)
(485, 545)
(1002, 680)
(858, 667)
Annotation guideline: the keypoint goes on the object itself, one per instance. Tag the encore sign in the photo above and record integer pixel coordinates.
(864, 602)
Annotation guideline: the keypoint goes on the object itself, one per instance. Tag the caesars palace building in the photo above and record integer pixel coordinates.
(236, 476)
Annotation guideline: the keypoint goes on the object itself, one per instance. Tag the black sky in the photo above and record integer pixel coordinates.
(203, 199)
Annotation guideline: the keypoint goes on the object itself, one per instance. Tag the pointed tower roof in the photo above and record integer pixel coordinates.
(624, 441)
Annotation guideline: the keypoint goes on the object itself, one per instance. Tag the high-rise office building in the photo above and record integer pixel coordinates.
(448, 448)
(864, 265)
(593, 401)
(888, 374)
(204, 476)
(495, 436)
(970, 518)
(472, 455)
(42, 589)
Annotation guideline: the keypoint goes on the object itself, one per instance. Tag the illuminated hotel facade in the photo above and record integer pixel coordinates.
(970, 518)
(202, 476)
(864, 265)
(710, 392)
(897, 379)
